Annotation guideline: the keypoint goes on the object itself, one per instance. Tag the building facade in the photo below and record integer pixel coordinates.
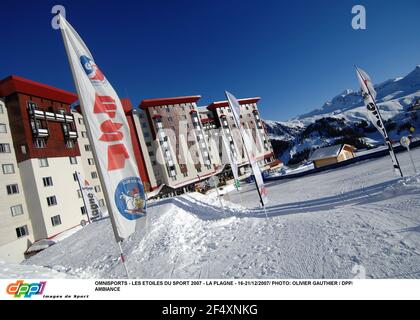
(250, 119)
(182, 142)
(174, 139)
(45, 137)
(15, 228)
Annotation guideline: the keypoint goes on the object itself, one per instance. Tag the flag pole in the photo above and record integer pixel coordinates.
(387, 139)
(94, 153)
(411, 158)
(123, 259)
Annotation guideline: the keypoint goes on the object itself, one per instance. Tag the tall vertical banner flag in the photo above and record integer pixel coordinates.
(109, 135)
(93, 209)
(232, 161)
(249, 149)
(369, 96)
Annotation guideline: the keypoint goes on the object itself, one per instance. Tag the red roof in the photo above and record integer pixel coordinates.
(13, 84)
(168, 101)
(219, 104)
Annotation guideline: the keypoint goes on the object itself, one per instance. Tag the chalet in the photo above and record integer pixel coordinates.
(329, 155)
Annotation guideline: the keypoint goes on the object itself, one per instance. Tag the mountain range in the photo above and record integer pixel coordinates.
(344, 119)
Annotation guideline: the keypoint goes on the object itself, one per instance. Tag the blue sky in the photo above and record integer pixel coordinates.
(294, 54)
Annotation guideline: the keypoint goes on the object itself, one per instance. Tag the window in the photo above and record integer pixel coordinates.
(79, 194)
(87, 147)
(101, 202)
(84, 134)
(73, 160)
(97, 188)
(94, 174)
(56, 220)
(23, 149)
(151, 153)
(8, 169)
(144, 125)
(52, 201)
(3, 128)
(16, 210)
(146, 134)
(47, 181)
(69, 144)
(4, 148)
(22, 231)
(39, 143)
(170, 119)
(148, 144)
(12, 189)
(43, 162)
(74, 176)
(83, 210)
(81, 121)
(1, 109)
(91, 161)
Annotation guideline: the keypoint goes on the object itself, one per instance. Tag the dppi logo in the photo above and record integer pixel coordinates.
(130, 198)
(93, 72)
(27, 290)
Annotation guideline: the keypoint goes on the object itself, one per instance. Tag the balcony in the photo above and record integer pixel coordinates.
(72, 135)
(68, 133)
(40, 133)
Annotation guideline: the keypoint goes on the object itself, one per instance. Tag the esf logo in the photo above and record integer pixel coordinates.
(27, 290)
(130, 198)
(92, 71)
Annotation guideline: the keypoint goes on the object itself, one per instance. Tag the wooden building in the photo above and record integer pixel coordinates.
(333, 154)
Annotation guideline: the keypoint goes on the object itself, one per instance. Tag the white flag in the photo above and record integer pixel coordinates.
(232, 161)
(109, 136)
(369, 95)
(364, 77)
(249, 148)
(92, 204)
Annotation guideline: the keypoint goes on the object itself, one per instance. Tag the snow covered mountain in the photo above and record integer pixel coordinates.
(344, 118)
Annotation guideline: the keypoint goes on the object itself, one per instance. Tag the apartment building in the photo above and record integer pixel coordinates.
(181, 142)
(15, 228)
(44, 135)
(250, 119)
(174, 142)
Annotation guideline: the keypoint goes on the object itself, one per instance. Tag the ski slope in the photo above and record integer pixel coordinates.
(358, 221)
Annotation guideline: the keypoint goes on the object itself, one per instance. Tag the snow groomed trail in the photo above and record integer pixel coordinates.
(359, 221)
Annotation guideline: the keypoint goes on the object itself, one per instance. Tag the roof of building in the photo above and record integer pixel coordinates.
(13, 84)
(327, 152)
(219, 104)
(168, 101)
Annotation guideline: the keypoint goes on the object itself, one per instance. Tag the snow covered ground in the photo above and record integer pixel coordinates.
(356, 221)
(16, 271)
